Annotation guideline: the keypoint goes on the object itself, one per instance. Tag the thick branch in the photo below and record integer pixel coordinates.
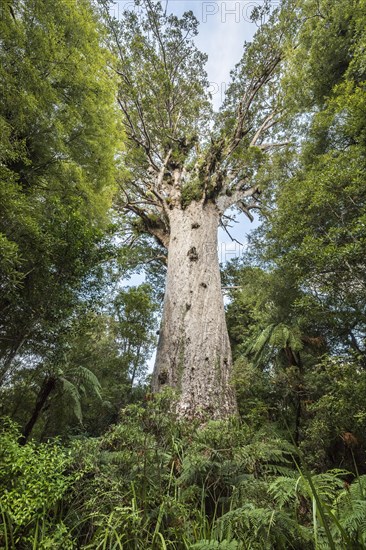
(268, 123)
(226, 201)
(153, 224)
(245, 208)
(268, 146)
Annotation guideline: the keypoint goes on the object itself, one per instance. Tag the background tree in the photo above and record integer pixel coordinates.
(275, 346)
(134, 312)
(317, 230)
(59, 136)
(306, 265)
(95, 368)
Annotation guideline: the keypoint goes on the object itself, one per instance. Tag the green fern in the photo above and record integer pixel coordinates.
(274, 336)
(71, 396)
(86, 381)
(264, 527)
(349, 507)
(75, 384)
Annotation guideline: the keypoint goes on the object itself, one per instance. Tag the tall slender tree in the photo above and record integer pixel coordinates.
(186, 168)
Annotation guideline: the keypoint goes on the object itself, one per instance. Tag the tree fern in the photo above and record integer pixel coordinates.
(257, 347)
(74, 384)
(274, 336)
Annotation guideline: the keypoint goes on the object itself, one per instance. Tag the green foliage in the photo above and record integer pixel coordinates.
(298, 321)
(33, 483)
(192, 191)
(316, 233)
(59, 136)
(134, 311)
(163, 478)
(162, 74)
(287, 371)
(335, 414)
(350, 509)
(163, 95)
(152, 481)
(98, 365)
(215, 545)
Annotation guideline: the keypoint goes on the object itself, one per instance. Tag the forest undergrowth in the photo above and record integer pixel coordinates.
(152, 481)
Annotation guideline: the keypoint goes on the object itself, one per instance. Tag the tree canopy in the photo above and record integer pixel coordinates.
(179, 153)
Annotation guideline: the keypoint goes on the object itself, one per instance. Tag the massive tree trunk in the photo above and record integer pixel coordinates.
(194, 353)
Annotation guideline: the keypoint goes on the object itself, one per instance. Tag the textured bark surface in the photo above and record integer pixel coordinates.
(193, 352)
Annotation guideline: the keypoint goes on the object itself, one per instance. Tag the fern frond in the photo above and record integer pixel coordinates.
(72, 396)
(261, 341)
(283, 490)
(87, 381)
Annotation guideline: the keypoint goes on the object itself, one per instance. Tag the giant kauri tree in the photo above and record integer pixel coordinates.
(185, 168)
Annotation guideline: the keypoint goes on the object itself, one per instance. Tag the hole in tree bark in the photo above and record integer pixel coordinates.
(204, 285)
(195, 225)
(163, 377)
(192, 254)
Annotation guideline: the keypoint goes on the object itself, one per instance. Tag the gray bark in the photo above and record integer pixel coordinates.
(194, 354)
